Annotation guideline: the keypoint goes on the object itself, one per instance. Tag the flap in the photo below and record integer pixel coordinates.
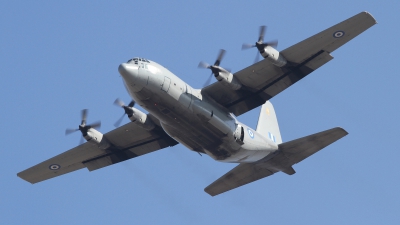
(132, 147)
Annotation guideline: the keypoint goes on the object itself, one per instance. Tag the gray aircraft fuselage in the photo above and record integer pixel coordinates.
(191, 118)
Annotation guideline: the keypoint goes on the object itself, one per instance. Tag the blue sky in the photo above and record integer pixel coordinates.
(60, 57)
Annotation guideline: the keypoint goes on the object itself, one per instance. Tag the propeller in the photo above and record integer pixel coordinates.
(83, 127)
(128, 110)
(214, 68)
(260, 44)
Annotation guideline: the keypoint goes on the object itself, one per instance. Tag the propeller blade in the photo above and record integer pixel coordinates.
(84, 116)
(81, 140)
(116, 124)
(204, 65)
(95, 125)
(208, 81)
(131, 104)
(247, 46)
(119, 102)
(262, 33)
(126, 87)
(70, 131)
(220, 57)
(257, 59)
(272, 43)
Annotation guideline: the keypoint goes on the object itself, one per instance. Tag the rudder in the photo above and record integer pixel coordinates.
(268, 123)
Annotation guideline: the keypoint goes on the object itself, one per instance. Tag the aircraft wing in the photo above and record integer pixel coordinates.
(128, 141)
(263, 80)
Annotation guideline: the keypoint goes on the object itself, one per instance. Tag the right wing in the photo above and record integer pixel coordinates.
(128, 141)
(263, 80)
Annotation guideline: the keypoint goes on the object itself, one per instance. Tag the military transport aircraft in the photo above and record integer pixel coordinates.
(204, 120)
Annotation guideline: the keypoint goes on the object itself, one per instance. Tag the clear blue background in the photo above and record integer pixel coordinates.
(58, 57)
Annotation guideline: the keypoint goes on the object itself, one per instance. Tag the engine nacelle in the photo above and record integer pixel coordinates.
(273, 55)
(228, 79)
(95, 137)
(141, 119)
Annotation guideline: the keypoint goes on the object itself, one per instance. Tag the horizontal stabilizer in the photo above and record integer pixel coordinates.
(242, 174)
(297, 150)
(289, 153)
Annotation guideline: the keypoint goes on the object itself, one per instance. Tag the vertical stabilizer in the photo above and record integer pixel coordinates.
(268, 123)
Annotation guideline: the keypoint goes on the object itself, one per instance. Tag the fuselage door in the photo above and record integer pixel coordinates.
(186, 99)
(166, 84)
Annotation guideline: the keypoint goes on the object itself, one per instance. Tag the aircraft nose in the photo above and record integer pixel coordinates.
(128, 71)
(123, 69)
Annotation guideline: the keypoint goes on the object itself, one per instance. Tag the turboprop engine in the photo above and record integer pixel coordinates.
(221, 74)
(267, 50)
(135, 115)
(90, 133)
(273, 55)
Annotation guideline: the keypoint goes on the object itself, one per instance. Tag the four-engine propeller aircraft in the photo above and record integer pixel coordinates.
(204, 120)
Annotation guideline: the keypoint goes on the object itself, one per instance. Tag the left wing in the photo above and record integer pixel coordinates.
(128, 141)
(263, 80)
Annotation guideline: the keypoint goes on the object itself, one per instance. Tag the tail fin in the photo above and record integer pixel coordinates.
(268, 123)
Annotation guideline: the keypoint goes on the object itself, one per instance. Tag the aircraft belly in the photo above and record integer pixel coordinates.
(199, 124)
(186, 127)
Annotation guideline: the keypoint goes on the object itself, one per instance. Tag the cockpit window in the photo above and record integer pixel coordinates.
(138, 59)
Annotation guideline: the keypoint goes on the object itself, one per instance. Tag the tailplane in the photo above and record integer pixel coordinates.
(289, 153)
(268, 123)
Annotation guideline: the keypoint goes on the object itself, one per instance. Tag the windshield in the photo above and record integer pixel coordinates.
(136, 60)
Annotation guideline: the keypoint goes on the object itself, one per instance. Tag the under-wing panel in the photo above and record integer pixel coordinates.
(127, 141)
(264, 80)
(128, 147)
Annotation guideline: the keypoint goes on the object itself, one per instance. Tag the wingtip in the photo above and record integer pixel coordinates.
(343, 130)
(370, 15)
(20, 175)
(208, 192)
